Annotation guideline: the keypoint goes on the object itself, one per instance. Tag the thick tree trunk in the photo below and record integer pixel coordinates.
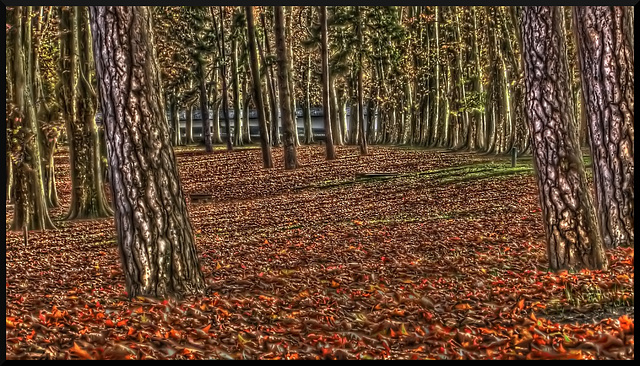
(30, 210)
(289, 128)
(154, 232)
(267, 161)
(606, 62)
(571, 228)
(326, 103)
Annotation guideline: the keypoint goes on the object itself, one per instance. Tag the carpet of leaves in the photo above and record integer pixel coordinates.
(404, 268)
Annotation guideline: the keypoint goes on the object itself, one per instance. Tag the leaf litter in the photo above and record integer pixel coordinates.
(404, 268)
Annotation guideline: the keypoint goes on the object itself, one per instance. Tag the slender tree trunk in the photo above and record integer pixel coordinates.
(175, 118)
(289, 129)
(571, 228)
(237, 108)
(292, 91)
(223, 75)
(436, 114)
(308, 128)
(189, 125)
(30, 210)
(326, 103)
(477, 85)
(215, 108)
(154, 232)
(87, 195)
(271, 84)
(335, 118)
(246, 133)
(204, 109)
(606, 62)
(363, 137)
(257, 92)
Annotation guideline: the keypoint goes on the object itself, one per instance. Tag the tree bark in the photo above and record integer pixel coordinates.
(155, 236)
(257, 89)
(290, 156)
(573, 236)
(606, 63)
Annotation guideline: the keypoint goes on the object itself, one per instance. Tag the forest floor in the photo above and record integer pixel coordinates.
(445, 258)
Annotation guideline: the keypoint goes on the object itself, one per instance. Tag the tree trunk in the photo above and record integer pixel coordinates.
(308, 128)
(246, 133)
(155, 236)
(87, 193)
(289, 129)
(606, 62)
(573, 237)
(363, 137)
(30, 210)
(175, 118)
(225, 90)
(189, 125)
(235, 85)
(257, 89)
(335, 119)
(292, 91)
(271, 84)
(326, 103)
(204, 109)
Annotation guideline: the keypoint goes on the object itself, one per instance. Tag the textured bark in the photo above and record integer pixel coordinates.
(154, 232)
(326, 105)
(257, 89)
(289, 129)
(30, 210)
(606, 62)
(573, 236)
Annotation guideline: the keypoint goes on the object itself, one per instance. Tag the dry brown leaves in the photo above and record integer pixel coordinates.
(404, 268)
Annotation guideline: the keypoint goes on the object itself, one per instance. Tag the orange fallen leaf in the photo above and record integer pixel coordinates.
(80, 352)
(206, 329)
(463, 306)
